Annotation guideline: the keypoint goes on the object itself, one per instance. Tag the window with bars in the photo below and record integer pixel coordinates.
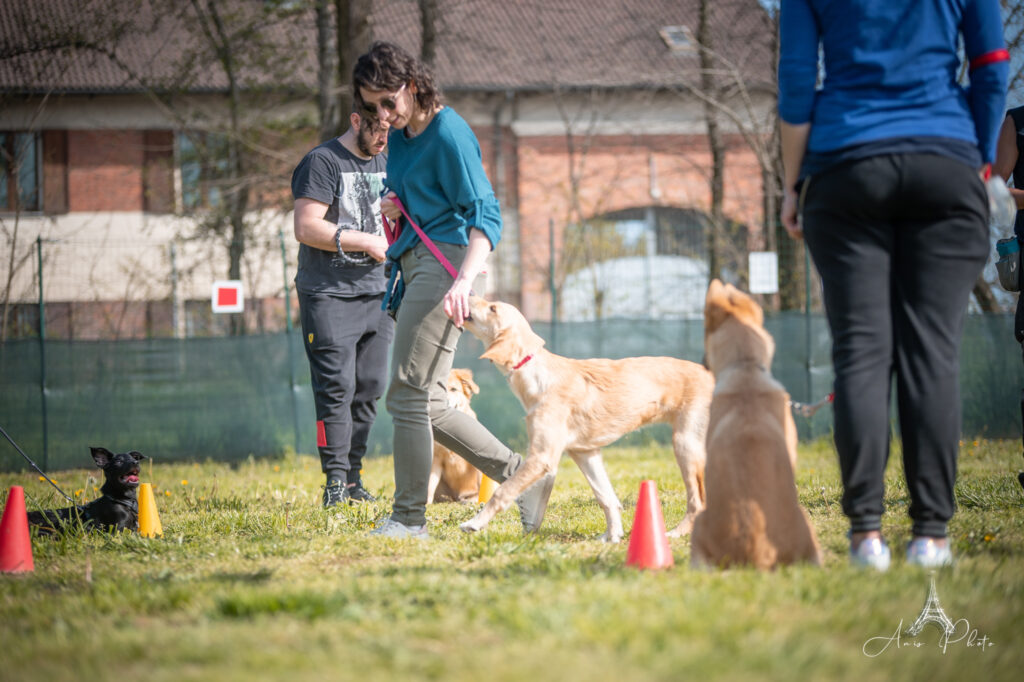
(203, 160)
(20, 169)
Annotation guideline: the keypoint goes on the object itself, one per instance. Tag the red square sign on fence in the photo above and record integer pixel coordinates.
(227, 296)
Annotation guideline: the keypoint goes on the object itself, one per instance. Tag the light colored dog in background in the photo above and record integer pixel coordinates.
(580, 406)
(753, 516)
(452, 478)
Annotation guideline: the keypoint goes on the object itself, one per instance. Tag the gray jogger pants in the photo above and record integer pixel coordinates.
(422, 356)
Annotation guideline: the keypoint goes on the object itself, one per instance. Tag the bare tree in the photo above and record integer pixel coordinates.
(709, 85)
(355, 29)
(748, 103)
(330, 117)
(34, 56)
(429, 17)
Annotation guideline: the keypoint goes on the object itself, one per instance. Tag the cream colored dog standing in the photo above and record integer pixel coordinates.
(753, 516)
(580, 406)
(452, 478)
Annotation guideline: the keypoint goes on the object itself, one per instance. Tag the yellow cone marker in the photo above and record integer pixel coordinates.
(149, 519)
(487, 487)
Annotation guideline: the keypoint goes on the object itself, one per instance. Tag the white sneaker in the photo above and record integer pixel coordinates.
(534, 502)
(389, 528)
(871, 553)
(927, 553)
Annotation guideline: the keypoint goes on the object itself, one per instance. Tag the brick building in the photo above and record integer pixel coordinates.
(586, 113)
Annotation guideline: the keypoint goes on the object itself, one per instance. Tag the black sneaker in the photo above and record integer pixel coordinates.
(335, 493)
(357, 493)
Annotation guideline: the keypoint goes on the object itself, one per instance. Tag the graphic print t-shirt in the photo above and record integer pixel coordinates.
(351, 187)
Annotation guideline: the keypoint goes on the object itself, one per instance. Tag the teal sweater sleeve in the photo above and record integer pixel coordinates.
(439, 176)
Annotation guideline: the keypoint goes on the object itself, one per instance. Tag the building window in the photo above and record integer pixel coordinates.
(203, 159)
(19, 171)
(646, 262)
(677, 38)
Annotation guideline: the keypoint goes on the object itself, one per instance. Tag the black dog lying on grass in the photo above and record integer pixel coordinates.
(116, 509)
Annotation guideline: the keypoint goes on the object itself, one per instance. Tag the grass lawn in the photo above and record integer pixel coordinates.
(253, 581)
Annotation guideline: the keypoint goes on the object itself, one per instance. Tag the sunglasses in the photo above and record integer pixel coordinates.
(386, 102)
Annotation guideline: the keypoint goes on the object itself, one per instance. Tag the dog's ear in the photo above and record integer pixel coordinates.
(137, 456)
(716, 305)
(513, 346)
(102, 457)
(468, 383)
(744, 306)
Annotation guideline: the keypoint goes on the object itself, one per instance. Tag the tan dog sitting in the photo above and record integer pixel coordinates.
(452, 478)
(580, 406)
(753, 516)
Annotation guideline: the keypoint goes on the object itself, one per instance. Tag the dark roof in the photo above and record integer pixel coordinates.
(94, 46)
(537, 44)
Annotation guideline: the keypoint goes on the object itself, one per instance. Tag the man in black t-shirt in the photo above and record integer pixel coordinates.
(340, 284)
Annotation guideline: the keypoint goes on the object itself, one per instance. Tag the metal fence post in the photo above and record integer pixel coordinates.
(42, 353)
(293, 384)
(807, 323)
(551, 285)
(175, 298)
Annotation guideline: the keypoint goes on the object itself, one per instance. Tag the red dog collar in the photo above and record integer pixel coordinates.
(523, 361)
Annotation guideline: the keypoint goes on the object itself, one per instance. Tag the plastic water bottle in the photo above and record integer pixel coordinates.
(1002, 207)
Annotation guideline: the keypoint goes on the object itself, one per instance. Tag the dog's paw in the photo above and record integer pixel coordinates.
(471, 526)
(611, 538)
(682, 530)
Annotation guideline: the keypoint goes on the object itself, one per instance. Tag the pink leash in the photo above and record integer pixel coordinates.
(805, 410)
(392, 234)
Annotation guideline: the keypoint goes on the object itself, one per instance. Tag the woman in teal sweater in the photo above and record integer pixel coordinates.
(436, 170)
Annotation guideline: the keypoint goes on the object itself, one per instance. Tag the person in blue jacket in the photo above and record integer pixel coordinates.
(436, 170)
(884, 180)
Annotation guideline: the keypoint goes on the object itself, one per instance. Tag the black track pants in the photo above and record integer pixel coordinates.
(347, 342)
(899, 241)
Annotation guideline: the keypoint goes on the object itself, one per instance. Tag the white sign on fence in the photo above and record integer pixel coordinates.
(764, 272)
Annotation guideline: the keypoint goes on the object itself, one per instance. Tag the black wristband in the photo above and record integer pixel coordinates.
(337, 242)
(349, 257)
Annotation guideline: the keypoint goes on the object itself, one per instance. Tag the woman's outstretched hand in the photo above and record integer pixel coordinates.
(456, 302)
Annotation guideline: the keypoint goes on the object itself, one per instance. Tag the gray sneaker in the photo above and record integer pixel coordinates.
(534, 502)
(389, 528)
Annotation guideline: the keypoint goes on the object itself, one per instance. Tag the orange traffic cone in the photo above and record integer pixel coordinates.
(149, 518)
(15, 545)
(487, 488)
(648, 544)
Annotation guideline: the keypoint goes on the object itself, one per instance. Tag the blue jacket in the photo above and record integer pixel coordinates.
(890, 72)
(439, 176)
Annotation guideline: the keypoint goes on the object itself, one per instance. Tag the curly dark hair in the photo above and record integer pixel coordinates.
(386, 66)
(368, 115)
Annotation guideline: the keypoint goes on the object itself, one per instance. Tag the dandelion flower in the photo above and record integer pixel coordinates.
(41, 478)
(989, 537)
(277, 468)
(167, 493)
(184, 481)
(78, 493)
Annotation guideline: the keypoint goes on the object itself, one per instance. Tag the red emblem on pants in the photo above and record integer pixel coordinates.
(321, 434)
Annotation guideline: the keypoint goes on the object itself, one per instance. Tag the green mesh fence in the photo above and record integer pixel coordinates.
(227, 398)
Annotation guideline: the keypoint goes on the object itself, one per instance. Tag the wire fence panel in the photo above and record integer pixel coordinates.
(230, 397)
